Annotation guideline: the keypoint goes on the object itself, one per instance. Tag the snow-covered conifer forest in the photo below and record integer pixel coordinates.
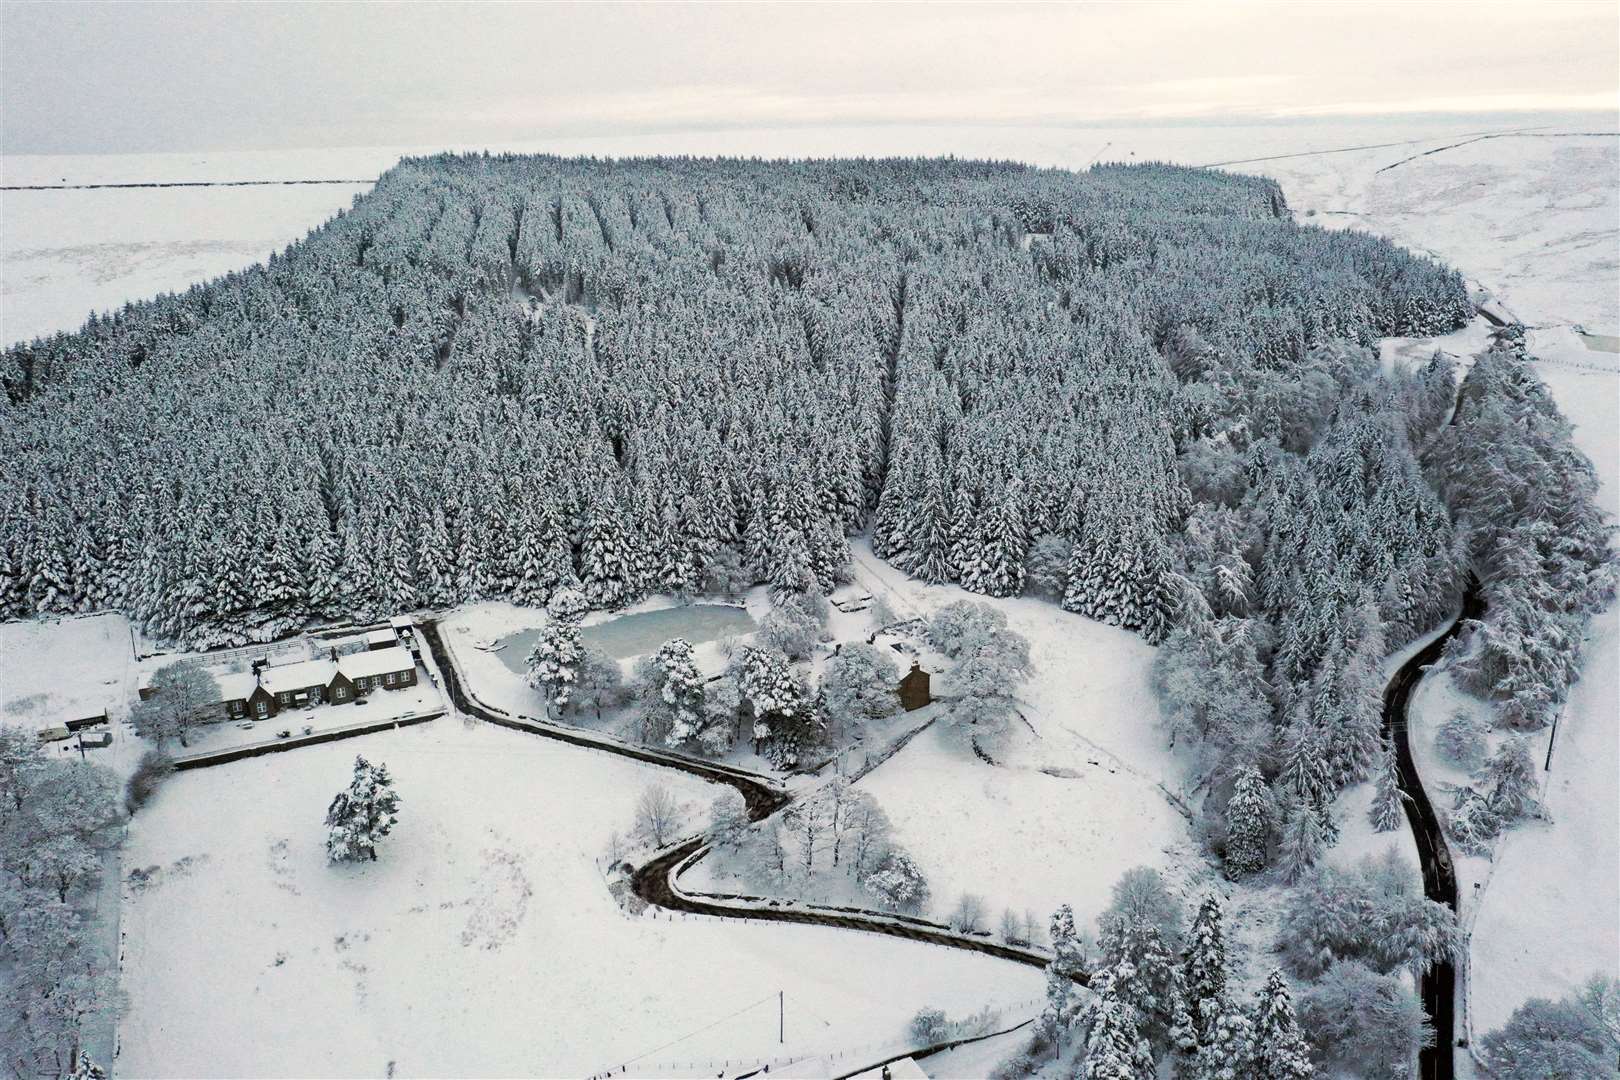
(495, 375)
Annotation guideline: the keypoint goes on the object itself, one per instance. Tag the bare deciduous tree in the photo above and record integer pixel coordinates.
(968, 914)
(658, 815)
(184, 697)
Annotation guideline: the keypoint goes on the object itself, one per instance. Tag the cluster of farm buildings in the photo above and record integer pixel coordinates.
(352, 667)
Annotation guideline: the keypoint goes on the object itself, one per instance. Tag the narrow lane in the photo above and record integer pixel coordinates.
(654, 880)
(1438, 988)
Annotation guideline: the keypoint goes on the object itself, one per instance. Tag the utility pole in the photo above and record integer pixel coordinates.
(80, 733)
(781, 1016)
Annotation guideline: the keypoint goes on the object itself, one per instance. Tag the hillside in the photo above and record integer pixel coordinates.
(495, 374)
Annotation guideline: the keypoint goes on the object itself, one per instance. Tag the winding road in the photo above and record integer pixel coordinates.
(1438, 987)
(655, 880)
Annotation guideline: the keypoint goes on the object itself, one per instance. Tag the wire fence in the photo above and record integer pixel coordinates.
(870, 1053)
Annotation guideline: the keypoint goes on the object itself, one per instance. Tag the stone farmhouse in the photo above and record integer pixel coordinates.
(339, 679)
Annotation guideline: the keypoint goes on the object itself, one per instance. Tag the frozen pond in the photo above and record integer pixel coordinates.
(641, 633)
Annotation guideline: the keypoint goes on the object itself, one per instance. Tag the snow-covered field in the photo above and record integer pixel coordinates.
(67, 254)
(64, 669)
(1071, 804)
(484, 942)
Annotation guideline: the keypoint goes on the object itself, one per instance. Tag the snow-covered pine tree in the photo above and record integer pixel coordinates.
(1386, 811)
(1249, 817)
(362, 815)
(928, 555)
(962, 560)
(1280, 1052)
(1226, 1048)
(1154, 989)
(784, 720)
(554, 661)
(1204, 969)
(1307, 774)
(1508, 781)
(1067, 964)
(609, 556)
(1461, 738)
(998, 566)
(682, 692)
(1472, 823)
(1302, 841)
(790, 571)
(1115, 1049)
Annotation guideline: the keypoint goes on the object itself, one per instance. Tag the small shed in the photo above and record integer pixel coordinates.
(83, 722)
(382, 639)
(913, 688)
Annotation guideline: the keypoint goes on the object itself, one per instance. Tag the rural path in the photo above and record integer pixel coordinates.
(655, 880)
(1438, 987)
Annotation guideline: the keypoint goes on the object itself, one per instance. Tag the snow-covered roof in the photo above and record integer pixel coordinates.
(904, 1069)
(235, 685)
(382, 637)
(402, 622)
(376, 662)
(299, 676)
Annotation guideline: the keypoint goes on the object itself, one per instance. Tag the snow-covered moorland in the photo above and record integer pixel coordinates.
(484, 940)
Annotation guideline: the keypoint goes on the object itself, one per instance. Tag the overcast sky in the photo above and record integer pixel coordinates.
(94, 77)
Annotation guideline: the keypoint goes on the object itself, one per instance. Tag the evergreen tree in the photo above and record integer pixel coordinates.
(1302, 842)
(1248, 825)
(609, 557)
(362, 815)
(997, 567)
(681, 692)
(1067, 963)
(1385, 814)
(1115, 1049)
(1226, 1048)
(791, 574)
(1279, 1048)
(1204, 970)
(929, 555)
(1509, 781)
(1154, 989)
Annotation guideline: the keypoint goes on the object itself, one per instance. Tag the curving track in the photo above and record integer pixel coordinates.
(1438, 987)
(654, 881)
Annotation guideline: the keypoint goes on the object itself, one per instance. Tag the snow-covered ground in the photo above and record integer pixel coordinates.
(484, 941)
(1073, 800)
(64, 669)
(67, 254)
(56, 670)
(1550, 915)
(1531, 219)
